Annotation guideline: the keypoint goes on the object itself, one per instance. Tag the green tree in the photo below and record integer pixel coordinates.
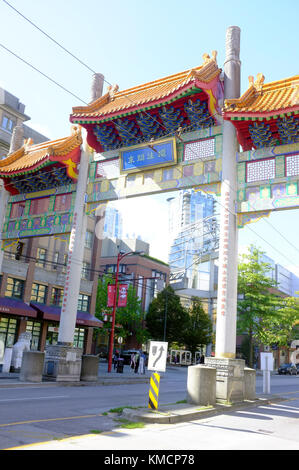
(263, 315)
(256, 302)
(279, 327)
(166, 314)
(200, 327)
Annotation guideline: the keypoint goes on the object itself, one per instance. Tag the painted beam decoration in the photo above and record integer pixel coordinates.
(41, 180)
(266, 118)
(197, 162)
(268, 180)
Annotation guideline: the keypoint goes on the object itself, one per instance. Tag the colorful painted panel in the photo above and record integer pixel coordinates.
(38, 226)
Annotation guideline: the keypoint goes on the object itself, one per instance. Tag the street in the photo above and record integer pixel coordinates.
(36, 414)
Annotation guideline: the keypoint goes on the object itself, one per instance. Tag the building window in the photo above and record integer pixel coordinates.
(14, 288)
(83, 302)
(88, 239)
(41, 257)
(57, 296)
(55, 259)
(34, 328)
(7, 124)
(38, 293)
(111, 268)
(52, 334)
(79, 337)
(85, 270)
(8, 331)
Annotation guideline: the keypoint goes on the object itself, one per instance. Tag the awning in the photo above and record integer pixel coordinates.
(16, 307)
(50, 312)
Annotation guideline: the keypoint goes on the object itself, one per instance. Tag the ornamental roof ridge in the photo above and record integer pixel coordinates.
(29, 154)
(263, 97)
(204, 73)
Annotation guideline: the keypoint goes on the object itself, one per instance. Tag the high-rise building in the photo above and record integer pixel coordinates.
(193, 232)
(113, 225)
(12, 114)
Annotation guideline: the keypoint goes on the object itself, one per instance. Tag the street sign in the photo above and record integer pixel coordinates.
(266, 361)
(120, 339)
(157, 356)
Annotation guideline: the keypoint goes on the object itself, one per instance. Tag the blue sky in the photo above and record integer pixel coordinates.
(136, 41)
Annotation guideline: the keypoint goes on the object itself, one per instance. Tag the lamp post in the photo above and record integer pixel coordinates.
(120, 256)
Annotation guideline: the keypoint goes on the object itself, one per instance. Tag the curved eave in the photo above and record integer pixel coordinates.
(145, 104)
(252, 116)
(30, 169)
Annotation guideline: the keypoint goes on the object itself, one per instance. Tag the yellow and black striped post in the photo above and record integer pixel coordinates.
(154, 391)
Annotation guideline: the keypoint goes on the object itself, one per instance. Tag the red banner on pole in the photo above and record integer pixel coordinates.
(111, 294)
(122, 295)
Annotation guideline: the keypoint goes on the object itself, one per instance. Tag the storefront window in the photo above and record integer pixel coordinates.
(52, 335)
(79, 338)
(8, 331)
(14, 288)
(35, 329)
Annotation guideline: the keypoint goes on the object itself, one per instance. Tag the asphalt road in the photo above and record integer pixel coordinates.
(50, 413)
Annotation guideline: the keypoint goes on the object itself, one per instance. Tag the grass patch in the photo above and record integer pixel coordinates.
(105, 413)
(126, 423)
(95, 431)
(120, 409)
(180, 401)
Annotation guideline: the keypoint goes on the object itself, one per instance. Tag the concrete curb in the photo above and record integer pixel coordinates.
(171, 414)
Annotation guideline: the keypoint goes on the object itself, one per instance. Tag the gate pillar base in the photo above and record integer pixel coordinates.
(63, 363)
(230, 379)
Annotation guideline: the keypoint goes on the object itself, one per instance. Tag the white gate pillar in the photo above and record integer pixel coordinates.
(228, 242)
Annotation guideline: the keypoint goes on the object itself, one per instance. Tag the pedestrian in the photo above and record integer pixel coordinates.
(202, 359)
(133, 361)
(136, 363)
(141, 367)
(115, 358)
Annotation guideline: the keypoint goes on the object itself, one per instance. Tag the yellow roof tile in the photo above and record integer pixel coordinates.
(115, 101)
(266, 99)
(30, 155)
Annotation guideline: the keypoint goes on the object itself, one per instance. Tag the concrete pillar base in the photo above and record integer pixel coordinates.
(32, 366)
(90, 368)
(230, 381)
(63, 363)
(249, 383)
(201, 385)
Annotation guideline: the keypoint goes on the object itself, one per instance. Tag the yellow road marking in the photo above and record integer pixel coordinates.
(48, 419)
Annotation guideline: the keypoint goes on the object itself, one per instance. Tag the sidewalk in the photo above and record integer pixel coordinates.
(10, 379)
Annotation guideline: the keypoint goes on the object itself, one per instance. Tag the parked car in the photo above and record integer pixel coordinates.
(288, 369)
(127, 355)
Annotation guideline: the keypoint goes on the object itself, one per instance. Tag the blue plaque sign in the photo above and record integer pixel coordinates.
(147, 156)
